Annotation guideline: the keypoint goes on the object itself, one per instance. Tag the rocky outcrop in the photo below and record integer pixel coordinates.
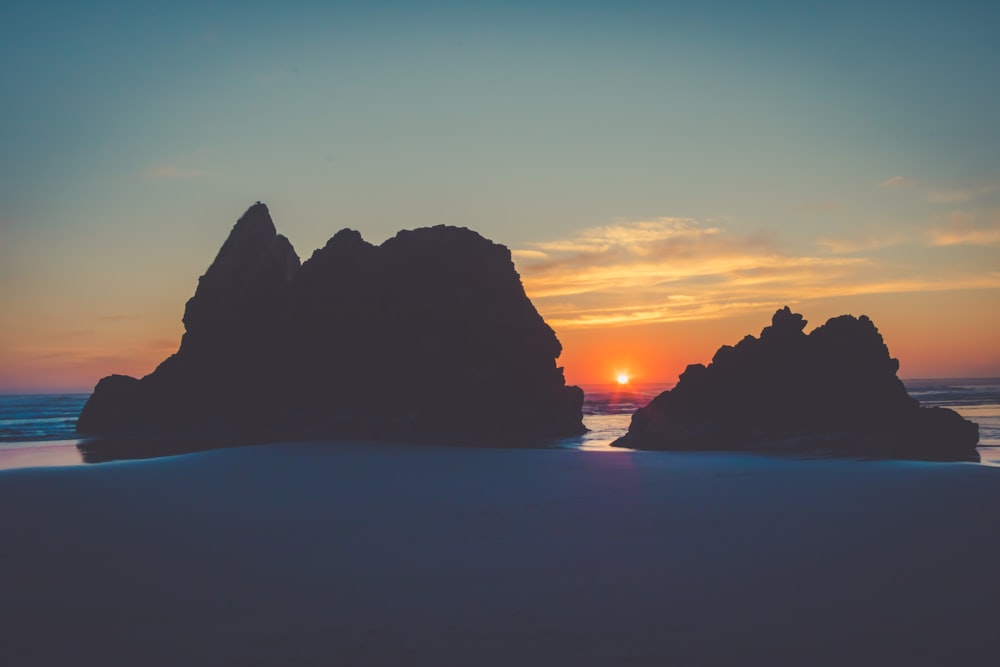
(426, 335)
(834, 389)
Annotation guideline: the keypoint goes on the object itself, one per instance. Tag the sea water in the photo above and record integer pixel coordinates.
(39, 429)
(607, 413)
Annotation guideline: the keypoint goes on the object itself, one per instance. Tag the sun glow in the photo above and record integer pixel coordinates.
(622, 378)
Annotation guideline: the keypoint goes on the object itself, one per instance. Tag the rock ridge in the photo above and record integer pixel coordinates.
(426, 335)
(834, 389)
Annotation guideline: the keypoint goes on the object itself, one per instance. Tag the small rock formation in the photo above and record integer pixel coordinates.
(428, 335)
(834, 389)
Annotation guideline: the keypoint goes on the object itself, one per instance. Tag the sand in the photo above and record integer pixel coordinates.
(372, 554)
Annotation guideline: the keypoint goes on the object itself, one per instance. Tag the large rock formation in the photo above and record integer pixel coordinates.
(428, 335)
(834, 389)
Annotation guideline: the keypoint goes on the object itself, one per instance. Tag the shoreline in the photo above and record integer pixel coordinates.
(381, 554)
(66, 453)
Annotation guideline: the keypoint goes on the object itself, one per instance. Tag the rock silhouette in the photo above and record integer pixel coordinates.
(834, 389)
(428, 334)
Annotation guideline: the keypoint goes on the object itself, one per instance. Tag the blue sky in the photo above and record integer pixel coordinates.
(859, 140)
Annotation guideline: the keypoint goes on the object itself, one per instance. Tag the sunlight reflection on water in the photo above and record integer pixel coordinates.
(31, 455)
(989, 456)
(604, 429)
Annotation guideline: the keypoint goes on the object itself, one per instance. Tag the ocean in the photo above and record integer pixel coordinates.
(39, 429)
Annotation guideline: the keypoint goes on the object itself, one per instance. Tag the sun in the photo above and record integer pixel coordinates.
(622, 378)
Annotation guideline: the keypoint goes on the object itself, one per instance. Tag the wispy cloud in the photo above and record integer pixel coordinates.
(627, 255)
(673, 269)
(865, 243)
(961, 196)
(895, 182)
(529, 254)
(165, 344)
(664, 269)
(962, 229)
(633, 237)
(724, 300)
(950, 196)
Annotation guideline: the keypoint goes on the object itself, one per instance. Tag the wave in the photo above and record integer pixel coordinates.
(39, 417)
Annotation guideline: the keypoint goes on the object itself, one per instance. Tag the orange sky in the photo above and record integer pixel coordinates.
(644, 298)
(666, 175)
(944, 334)
(936, 334)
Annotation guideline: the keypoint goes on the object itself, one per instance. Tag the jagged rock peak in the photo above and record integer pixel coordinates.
(252, 238)
(342, 246)
(256, 221)
(784, 324)
(250, 270)
(346, 236)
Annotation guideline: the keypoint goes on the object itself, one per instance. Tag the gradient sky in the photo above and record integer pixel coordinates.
(667, 174)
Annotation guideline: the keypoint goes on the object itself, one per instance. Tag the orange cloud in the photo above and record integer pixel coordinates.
(862, 244)
(674, 269)
(961, 229)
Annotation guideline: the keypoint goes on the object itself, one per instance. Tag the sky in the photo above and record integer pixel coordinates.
(666, 174)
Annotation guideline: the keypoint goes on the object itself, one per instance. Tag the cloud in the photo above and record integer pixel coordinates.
(631, 236)
(672, 269)
(961, 229)
(894, 182)
(169, 172)
(665, 269)
(950, 196)
(847, 245)
(162, 344)
(629, 255)
(961, 196)
(529, 254)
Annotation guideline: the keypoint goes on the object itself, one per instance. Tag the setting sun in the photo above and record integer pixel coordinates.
(622, 378)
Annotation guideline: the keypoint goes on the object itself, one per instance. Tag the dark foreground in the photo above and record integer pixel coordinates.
(362, 554)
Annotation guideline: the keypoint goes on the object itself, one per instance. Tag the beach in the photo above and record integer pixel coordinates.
(380, 554)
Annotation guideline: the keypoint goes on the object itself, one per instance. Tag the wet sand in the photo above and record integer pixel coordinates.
(377, 554)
